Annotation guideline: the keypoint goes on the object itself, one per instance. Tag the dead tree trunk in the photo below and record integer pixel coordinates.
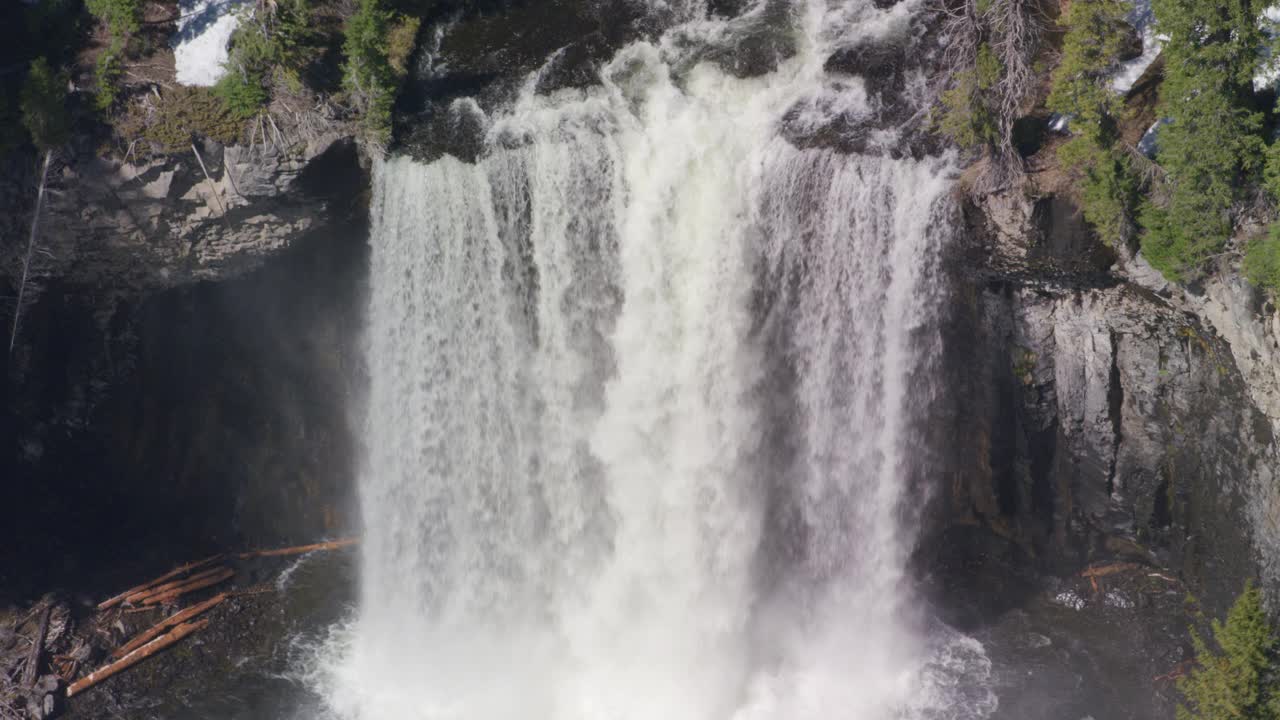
(134, 657)
(31, 246)
(105, 604)
(32, 669)
(176, 619)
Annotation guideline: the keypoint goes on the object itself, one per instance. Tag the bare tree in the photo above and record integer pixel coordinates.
(31, 249)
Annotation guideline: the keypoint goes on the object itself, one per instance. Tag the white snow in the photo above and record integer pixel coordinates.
(200, 43)
(1143, 18)
(1269, 68)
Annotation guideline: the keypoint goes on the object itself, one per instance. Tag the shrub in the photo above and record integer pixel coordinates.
(44, 112)
(400, 44)
(181, 113)
(106, 74)
(1236, 676)
(967, 117)
(268, 43)
(1262, 260)
(122, 17)
(368, 74)
(243, 94)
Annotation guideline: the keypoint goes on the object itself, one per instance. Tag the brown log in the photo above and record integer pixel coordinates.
(1112, 569)
(300, 549)
(137, 598)
(112, 602)
(134, 657)
(176, 619)
(30, 671)
(191, 586)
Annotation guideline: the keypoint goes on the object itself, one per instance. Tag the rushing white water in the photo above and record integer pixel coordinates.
(644, 389)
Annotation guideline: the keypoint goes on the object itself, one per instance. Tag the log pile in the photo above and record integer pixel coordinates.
(43, 663)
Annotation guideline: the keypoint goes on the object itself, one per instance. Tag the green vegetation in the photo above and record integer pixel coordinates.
(106, 75)
(270, 43)
(400, 43)
(122, 19)
(181, 113)
(1211, 143)
(967, 116)
(1262, 260)
(44, 113)
(1090, 52)
(1236, 676)
(368, 74)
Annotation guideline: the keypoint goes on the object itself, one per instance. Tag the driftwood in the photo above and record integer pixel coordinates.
(196, 583)
(1112, 569)
(31, 670)
(164, 588)
(134, 657)
(176, 619)
(300, 549)
(106, 604)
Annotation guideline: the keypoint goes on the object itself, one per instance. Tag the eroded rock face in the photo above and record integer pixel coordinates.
(163, 222)
(1109, 424)
(183, 373)
(1100, 419)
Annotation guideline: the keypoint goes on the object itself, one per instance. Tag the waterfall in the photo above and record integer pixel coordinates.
(645, 384)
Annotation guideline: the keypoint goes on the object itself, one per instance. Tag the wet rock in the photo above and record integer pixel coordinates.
(1105, 414)
(755, 44)
(1131, 44)
(160, 222)
(879, 61)
(487, 57)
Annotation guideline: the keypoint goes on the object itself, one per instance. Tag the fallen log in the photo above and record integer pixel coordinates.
(300, 549)
(134, 657)
(1112, 569)
(112, 602)
(138, 598)
(192, 586)
(176, 619)
(30, 671)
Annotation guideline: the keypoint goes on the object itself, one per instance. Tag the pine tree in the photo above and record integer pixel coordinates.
(44, 112)
(1212, 142)
(1236, 678)
(1081, 89)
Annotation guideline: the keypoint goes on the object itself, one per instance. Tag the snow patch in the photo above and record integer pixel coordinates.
(200, 43)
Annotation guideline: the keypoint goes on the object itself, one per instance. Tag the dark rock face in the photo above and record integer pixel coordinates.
(1094, 423)
(144, 430)
(1106, 424)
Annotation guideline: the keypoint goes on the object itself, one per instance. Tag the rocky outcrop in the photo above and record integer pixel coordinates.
(1101, 418)
(157, 223)
(168, 381)
(1109, 416)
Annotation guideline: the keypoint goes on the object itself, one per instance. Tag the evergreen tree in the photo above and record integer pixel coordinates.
(44, 112)
(1211, 143)
(1235, 679)
(1081, 90)
(368, 74)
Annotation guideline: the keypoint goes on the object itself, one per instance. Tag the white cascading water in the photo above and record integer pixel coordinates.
(643, 382)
